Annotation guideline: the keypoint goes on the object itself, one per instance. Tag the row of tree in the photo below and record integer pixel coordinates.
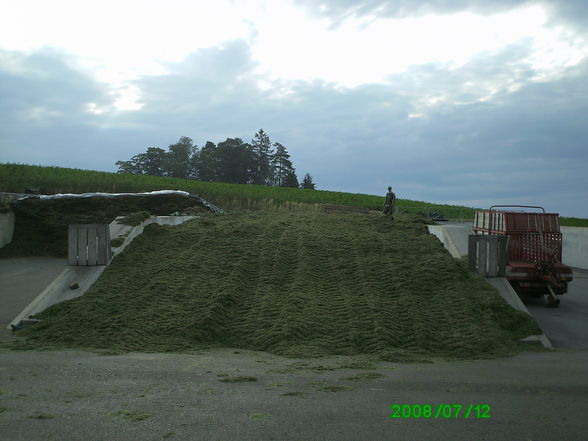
(233, 161)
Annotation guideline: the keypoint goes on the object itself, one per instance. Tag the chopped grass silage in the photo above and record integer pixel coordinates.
(294, 284)
(41, 225)
(134, 219)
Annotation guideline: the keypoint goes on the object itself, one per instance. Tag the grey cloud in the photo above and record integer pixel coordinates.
(43, 80)
(341, 9)
(43, 118)
(210, 92)
(573, 12)
(527, 146)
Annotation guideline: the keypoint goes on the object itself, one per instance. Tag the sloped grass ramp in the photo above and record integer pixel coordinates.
(295, 284)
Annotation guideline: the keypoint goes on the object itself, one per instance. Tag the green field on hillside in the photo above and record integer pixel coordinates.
(16, 178)
(295, 284)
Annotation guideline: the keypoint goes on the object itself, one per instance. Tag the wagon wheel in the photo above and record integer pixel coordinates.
(552, 300)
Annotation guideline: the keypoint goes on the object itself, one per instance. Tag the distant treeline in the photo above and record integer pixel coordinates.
(232, 161)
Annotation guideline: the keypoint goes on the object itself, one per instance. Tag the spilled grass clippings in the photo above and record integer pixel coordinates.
(117, 242)
(259, 416)
(41, 416)
(331, 388)
(240, 379)
(131, 415)
(300, 366)
(134, 219)
(294, 394)
(293, 284)
(367, 376)
(357, 365)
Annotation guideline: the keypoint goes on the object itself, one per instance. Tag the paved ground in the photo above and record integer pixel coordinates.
(23, 279)
(567, 325)
(70, 395)
(84, 396)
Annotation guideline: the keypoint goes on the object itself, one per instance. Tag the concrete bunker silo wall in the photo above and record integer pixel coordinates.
(6, 228)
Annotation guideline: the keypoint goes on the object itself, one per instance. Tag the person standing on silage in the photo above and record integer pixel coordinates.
(390, 201)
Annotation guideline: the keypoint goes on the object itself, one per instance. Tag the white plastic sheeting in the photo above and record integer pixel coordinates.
(201, 201)
(89, 195)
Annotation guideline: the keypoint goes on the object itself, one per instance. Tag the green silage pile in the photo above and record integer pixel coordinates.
(41, 225)
(134, 219)
(295, 284)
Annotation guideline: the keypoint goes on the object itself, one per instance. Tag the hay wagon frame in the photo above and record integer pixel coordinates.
(533, 248)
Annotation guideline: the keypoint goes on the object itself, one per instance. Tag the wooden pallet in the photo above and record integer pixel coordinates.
(89, 245)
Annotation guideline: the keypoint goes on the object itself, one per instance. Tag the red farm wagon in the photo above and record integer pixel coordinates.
(533, 248)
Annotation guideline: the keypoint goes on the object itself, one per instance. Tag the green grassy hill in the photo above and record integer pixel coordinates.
(17, 177)
(295, 284)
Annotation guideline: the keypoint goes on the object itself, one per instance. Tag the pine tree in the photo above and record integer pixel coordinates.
(291, 180)
(281, 165)
(262, 150)
(307, 182)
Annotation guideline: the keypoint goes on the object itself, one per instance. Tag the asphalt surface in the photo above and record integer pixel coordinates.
(22, 280)
(567, 325)
(84, 396)
(75, 395)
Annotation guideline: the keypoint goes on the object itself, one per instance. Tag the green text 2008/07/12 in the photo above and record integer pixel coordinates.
(440, 411)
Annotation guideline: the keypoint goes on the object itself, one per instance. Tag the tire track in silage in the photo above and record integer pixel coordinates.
(230, 271)
(297, 324)
(381, 308)
(327, 312)
(277, 267)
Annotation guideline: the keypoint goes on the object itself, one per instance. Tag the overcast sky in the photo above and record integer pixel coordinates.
(449, 101)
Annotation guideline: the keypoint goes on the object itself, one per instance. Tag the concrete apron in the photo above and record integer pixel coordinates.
(85, 276)
(455, 239)
(6, 228)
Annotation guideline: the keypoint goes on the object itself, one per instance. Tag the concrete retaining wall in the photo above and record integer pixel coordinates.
(575, 242)
(6, 228)
(440, 231)
(453, 236)
(575, 246)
